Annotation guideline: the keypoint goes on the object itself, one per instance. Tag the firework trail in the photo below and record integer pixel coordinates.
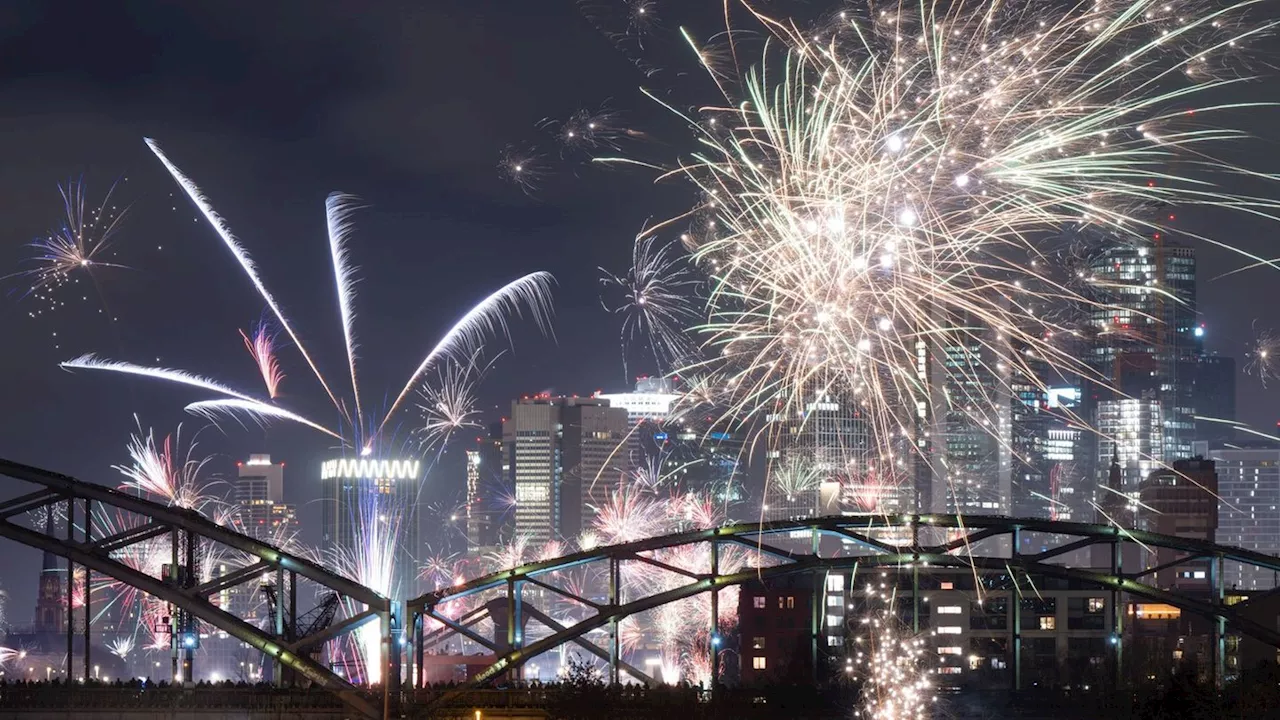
(1263, 357)
(526, 294)
(8, 655)
(262, 347)
(877, 188)
(654, 302)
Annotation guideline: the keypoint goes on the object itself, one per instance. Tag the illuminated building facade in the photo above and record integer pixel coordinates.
(1130, 430)
(824, 443)
(369, 509)
(566, 456)
(259, 492)
(1249, 510)
(1149, 349)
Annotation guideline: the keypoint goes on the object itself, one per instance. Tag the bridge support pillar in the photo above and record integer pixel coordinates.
(1015, 622)
(71, 584)
(88, 586)
(714, 640)
(515, 623)
(1219, 623)
(1117, 611)
(277, 670)
(385, 661)
(614, 601)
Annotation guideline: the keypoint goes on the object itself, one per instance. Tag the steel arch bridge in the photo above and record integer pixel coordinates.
(913, 543)
(97, 552)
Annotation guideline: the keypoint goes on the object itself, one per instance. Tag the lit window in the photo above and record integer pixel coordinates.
(757, 643)
(835, 583)
(758, 602)
(948, 610)
(946, 586)
(949, 630)
(791, 602)
(1047, 622)
(949, 650)
(1199, 575)
(833, 601)
(757, 663)
(949, 670)
(1097, 605)
(834, 641)
(834, 620)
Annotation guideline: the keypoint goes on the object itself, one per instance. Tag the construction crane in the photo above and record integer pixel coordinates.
(317, 619)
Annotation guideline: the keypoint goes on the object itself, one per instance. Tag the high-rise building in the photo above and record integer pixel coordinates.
(1070, 486)
(1131, 431)
(972, 455)
(1148, 346)
(824, 442)
(369, 512)
(1215, 392)
(567, 455)
(1182, 501)
(51, 608)
(259, 492)
(1249, 510)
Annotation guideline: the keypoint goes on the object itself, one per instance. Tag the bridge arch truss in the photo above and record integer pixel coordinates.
(97, 550)
(904, 543)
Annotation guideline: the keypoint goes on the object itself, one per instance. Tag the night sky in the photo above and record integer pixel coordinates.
(271, 106)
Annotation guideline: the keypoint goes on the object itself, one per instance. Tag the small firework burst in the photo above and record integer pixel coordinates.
(80, 246)
(587, 130)
(655, 300)
(1264, 357)
(159, 469)
(891, 662)
(523, 166)
(449, 402)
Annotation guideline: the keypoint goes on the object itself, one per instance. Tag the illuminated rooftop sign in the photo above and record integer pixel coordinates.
(369, 469)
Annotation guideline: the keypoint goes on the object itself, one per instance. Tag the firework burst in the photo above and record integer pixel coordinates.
(654, 300)
(449, 402)
(891, 662)
(362, 432)
(1263, 357)
(524, 167)
(159, 469)
(879, 188)
(77, 249)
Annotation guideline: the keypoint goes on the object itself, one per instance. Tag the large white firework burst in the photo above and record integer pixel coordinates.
(885, 185)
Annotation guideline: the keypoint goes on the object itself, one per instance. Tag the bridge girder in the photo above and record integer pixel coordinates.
(96, 555)
(954, 552)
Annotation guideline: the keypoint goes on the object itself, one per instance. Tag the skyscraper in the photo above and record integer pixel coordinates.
(567, 455)
(370, 520)
(1249, 510)
(259, 491)
(1148, 348)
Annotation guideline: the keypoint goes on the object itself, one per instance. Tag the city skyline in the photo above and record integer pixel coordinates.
(954, 346)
